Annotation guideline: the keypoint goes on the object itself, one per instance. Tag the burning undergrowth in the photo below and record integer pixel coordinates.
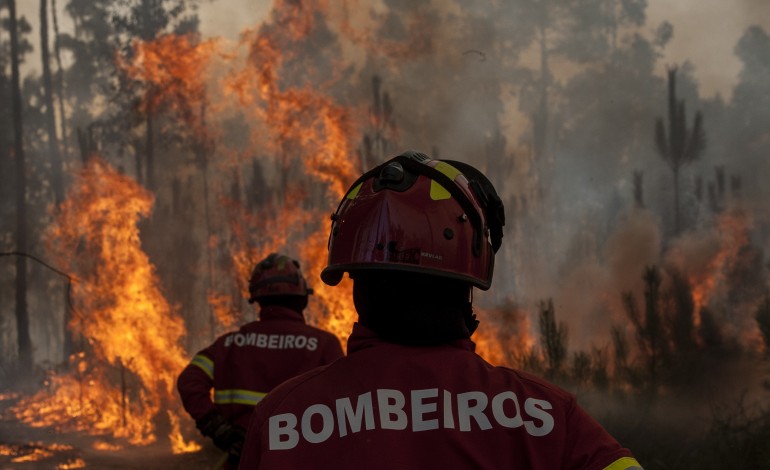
(121, 384)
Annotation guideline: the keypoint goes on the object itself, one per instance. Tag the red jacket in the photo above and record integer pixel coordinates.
(388, 406)
(243, 366)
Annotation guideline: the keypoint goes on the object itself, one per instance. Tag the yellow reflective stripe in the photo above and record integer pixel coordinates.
(206, 364)
(438, 192)
(354, 192)
(624, 463)
(235, 396)
(448, 170)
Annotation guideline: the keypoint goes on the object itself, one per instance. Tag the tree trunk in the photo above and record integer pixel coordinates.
(57, 165)
(22, 318)
(541, 120)
(59, 81)
(57, 182)
(150, 154)
(677, 226)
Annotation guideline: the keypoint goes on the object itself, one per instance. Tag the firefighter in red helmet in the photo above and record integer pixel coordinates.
(416, 235)
(243, 366)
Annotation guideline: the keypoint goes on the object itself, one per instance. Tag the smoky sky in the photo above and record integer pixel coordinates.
(584, 242)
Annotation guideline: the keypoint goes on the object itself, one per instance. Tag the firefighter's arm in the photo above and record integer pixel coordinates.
(194, 385)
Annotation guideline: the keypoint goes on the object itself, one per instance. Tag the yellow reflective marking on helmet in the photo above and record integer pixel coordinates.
(354, 192)
(624, 463)
(438, 192)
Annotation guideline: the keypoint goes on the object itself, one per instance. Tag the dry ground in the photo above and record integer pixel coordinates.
(26, 448)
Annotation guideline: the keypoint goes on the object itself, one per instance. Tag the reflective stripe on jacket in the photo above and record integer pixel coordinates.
(244, 365)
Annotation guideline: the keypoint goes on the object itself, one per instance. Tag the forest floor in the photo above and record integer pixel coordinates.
(29, 448)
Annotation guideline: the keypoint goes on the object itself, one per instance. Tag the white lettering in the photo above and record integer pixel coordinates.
(355, 415)
(536, 409)
(388, 409)
(327, 423)
(419, 408)
(465, 411)
(364, 411)
(498, 412)
(449, 420)
(273, 341)
(283, 425)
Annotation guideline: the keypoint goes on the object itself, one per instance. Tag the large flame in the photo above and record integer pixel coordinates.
(122, 383)
(298, 124)
(171, 71)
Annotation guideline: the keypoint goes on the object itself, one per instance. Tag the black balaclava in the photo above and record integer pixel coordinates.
(294, 302)
(413, 308)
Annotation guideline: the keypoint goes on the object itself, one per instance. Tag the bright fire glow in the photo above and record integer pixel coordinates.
(124, 379)
(733, 229)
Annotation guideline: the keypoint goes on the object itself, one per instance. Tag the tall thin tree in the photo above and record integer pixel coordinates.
(22, 317)
(679, 146)
(57, 179)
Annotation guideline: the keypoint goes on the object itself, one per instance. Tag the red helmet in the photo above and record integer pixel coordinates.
(277, 275)
(416, 214)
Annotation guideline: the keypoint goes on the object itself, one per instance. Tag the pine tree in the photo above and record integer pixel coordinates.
(679, 146)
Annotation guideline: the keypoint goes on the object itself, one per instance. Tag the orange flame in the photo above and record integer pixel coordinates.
(733, 229)
(303, 126)
(171, 68)
(125, 377)
(503, 336)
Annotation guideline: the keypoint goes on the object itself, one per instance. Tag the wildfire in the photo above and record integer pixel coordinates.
(707, 262)
(310, 139)
(122, 383)
(503, 336)
(124, 378)
(171, 69)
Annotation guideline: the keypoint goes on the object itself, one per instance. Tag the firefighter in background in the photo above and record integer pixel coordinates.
(243, 366)
(416, 235)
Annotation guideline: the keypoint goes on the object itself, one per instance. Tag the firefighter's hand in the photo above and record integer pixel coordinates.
(225, 435)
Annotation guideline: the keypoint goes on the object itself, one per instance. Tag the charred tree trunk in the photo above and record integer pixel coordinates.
(22, 317)
(149, 149)
(541, 117)
(57, 182)
(59, 80)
